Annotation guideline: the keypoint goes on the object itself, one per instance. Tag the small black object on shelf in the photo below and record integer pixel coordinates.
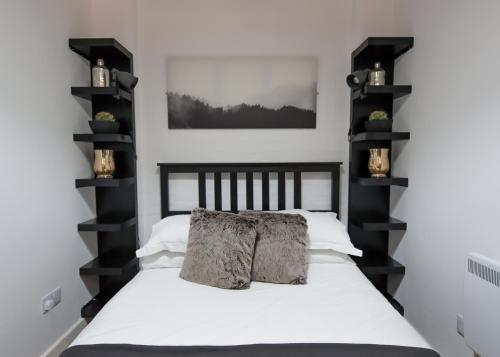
(123, 80)
(358, 80)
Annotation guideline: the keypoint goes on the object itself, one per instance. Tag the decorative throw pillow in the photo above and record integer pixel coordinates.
(281, 249)
(220, 249)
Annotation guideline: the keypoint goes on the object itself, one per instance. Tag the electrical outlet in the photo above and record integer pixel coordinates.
(460, 325)
(50, 300)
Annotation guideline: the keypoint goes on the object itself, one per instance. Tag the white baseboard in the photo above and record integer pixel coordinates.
(65, 340)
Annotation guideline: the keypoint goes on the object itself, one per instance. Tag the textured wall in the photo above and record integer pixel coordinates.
(452, 203)
(39, 204)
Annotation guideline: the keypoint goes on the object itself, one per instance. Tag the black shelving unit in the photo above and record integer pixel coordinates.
(377, 137)
(109, 266)
(107, 223)
(95, 305)
(386, 181)
(379, 265)
(116, 199)
(95, 182)
(90, 92)
(103, 138)
(369, 198)
(378, 223)
(388, 90)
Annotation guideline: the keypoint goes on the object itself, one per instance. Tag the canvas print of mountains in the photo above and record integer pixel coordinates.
(241, 92)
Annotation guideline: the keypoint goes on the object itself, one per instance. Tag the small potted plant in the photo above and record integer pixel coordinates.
(378, 121)
(104, 123)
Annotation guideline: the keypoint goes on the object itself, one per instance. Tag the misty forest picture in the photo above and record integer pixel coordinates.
(241, 92)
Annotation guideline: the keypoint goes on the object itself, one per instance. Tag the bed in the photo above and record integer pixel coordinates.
(337, 313)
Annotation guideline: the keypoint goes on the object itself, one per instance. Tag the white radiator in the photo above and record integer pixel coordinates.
(482, 305)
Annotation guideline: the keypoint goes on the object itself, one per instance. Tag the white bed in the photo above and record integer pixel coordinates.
(338, 305)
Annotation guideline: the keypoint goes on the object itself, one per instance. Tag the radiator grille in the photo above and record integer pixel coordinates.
(482, 271)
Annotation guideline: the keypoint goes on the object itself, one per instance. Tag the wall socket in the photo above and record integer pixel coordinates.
(50, 300)
(460, 325)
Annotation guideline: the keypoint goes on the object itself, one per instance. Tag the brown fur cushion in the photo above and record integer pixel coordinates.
(281, 248)
(220, 249)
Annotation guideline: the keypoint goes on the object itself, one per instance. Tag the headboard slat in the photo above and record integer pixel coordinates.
(249, 180)
(202, 190)
(281, 190)
(164, 191)
(218, 191)
(234, 191)
(336, 190)
(265, 191)
(297, 189)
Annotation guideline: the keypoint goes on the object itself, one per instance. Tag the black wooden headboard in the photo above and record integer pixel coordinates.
(248, 168)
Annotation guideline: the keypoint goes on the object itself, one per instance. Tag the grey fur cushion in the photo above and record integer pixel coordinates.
(281, 248)
(220, 249)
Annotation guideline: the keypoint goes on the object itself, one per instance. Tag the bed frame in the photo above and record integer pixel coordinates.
(249, 169)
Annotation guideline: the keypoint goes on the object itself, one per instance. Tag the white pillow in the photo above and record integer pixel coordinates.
(325, 232)
(171, 233)
(164, 259)
(322, 256)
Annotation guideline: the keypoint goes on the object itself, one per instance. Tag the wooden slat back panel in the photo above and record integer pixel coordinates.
(249, 169)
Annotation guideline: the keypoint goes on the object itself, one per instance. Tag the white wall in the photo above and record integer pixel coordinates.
(370, 19)
(321, 28)
(39, 205)
(110, 18)
(452, 205)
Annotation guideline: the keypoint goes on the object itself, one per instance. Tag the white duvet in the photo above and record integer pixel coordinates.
(338, 305)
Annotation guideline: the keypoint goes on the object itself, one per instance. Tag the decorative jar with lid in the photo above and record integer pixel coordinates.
(377, 75)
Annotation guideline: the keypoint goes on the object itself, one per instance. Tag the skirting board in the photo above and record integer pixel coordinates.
(64, 341)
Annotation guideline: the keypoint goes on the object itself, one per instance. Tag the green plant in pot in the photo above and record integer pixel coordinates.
(104, 123)
(378, 121)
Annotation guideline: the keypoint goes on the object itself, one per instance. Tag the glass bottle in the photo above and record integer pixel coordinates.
(100, 74)
(377, 75)
(379, 164)
(104, 163)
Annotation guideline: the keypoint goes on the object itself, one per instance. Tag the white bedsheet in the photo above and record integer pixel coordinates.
(338, 305)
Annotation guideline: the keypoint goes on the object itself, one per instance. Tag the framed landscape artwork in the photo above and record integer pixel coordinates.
(241, 92)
